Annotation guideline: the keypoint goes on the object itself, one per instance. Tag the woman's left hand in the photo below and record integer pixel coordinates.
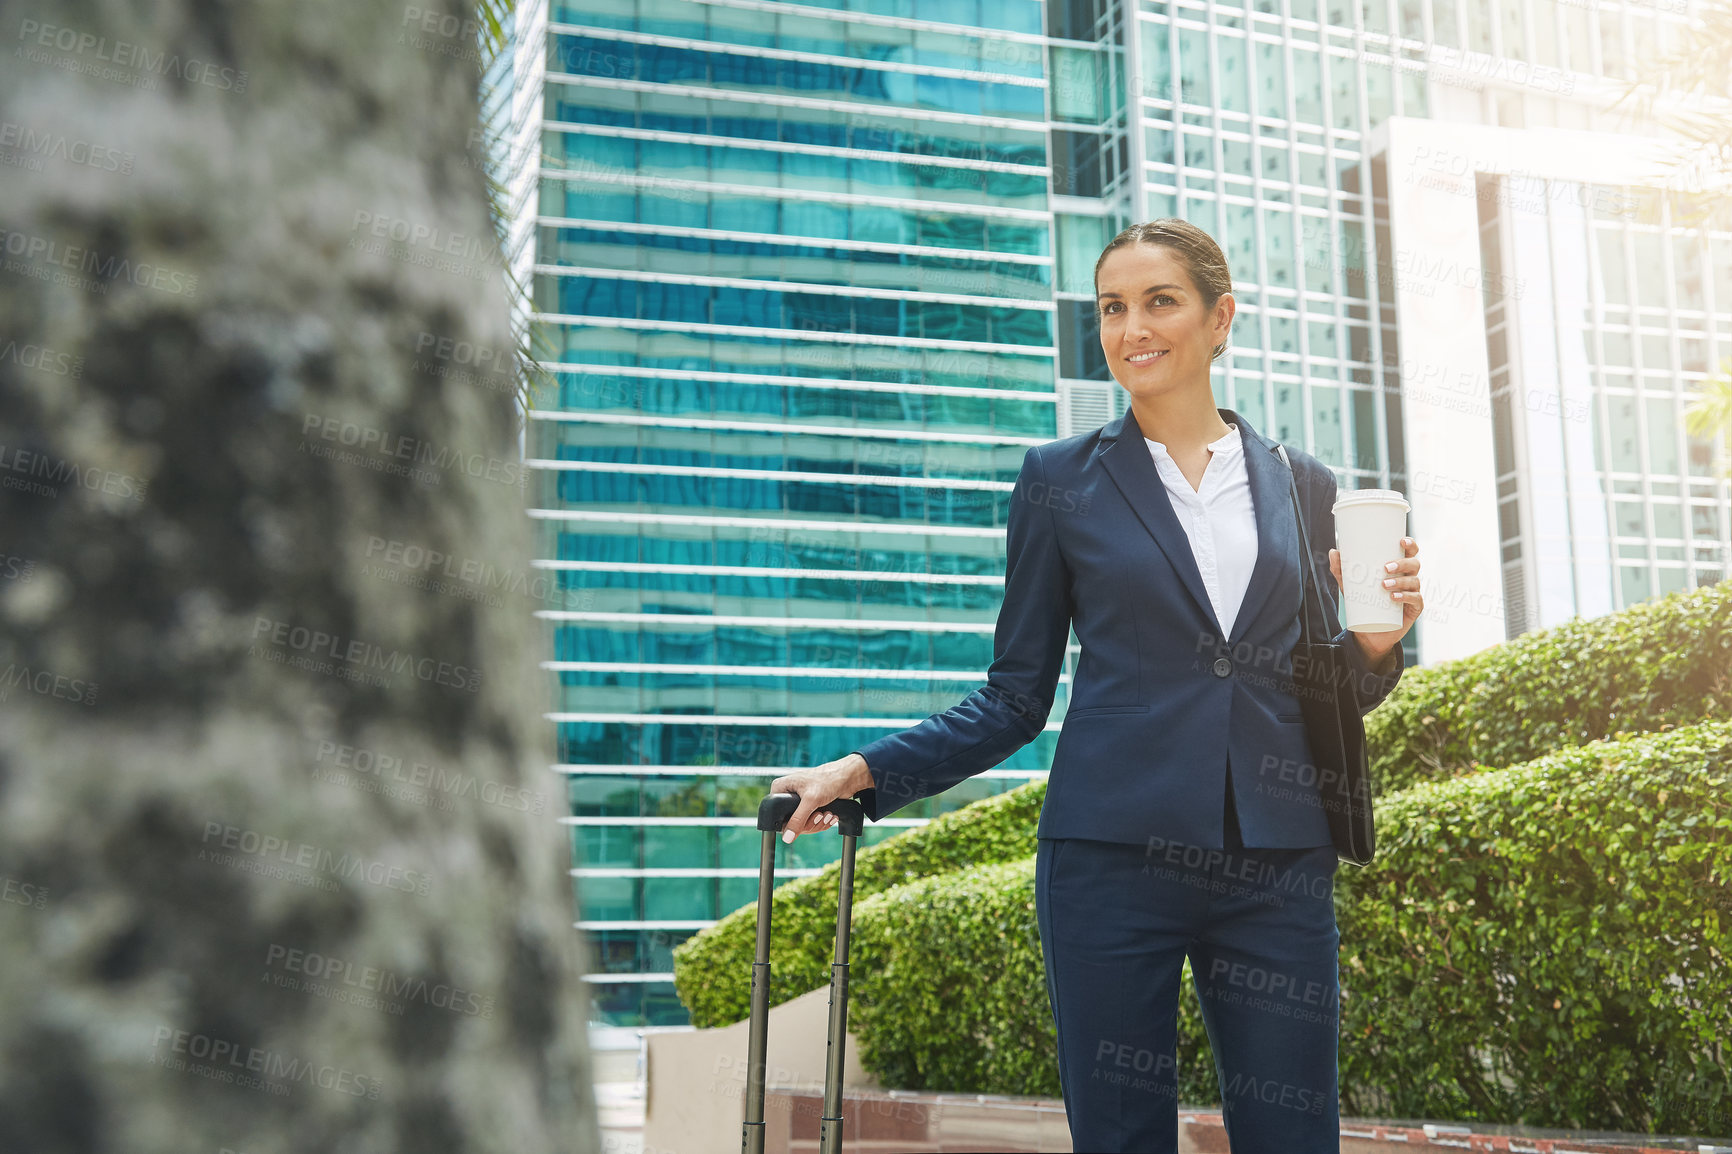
(1402, 581)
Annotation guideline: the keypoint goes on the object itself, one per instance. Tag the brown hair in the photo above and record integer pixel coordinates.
(1196, 250)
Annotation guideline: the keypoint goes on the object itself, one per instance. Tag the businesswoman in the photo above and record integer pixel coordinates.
(1182, 816)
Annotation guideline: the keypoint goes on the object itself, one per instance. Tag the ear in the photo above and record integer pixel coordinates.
(1225, 309)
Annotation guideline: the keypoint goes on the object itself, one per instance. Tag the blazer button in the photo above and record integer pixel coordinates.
(1222, 667)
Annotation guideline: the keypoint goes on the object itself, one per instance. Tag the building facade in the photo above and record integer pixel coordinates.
(812, 278)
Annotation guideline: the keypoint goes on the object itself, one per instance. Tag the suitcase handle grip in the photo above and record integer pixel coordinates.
(775, 810)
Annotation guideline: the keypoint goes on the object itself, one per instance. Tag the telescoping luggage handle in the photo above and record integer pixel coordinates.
(773, 814)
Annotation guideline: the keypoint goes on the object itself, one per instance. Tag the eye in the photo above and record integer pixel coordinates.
(1110, 306)
(1164, 297)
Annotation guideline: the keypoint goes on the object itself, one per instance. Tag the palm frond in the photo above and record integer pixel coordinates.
(495, 20)
(1687, 92)
(1709, 414)
(494, 16)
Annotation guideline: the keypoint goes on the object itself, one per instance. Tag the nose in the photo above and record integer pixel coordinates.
(1137, 328)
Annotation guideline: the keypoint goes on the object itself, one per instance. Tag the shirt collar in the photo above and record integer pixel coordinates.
(1230, 442)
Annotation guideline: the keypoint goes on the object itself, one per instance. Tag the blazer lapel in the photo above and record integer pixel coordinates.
(1132, 468)
(1277, 531)
(1128, 462)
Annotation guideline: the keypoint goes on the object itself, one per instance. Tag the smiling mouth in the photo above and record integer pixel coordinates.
(1145, 358)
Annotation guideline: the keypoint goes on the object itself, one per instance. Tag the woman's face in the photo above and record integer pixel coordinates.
(1155, 332)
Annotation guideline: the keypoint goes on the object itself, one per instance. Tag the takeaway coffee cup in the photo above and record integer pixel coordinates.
(1369, 526)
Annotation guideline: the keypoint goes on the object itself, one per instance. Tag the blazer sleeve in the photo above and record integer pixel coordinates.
(1011, 709)
(1372, 684)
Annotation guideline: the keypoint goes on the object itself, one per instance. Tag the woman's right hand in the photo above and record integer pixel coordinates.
(844, 777)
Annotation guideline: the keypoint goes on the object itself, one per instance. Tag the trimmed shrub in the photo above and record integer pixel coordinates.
(1548, 944)
(713, 969)
(1541, 944)
(1545, 944)
(1666, 661)
(949, 990)
(972, 1012)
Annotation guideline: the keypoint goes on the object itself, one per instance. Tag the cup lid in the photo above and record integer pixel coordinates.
(1372, 497)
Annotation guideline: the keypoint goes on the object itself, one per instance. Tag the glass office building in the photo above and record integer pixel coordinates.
(812, 278)
(793, 269)
(1604, 498)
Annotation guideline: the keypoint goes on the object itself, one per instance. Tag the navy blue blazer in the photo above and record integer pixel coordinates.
(1160, 706)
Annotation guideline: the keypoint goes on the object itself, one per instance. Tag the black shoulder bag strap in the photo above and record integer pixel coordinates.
(1324, 677)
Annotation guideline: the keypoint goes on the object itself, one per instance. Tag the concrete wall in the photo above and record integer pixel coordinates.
(1438, 280)
(697, 1081)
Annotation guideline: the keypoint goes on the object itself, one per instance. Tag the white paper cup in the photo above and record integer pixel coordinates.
(1369, 526)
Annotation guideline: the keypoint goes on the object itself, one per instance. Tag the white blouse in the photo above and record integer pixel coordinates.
(1219, 520)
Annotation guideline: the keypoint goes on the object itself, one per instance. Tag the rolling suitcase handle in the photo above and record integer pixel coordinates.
(773, 814)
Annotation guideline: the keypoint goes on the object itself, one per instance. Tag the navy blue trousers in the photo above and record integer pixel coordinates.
(1116, 923)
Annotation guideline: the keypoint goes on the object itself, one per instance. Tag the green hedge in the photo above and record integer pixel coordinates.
(1550, 943)
(1667, 661)
(1664, 661)
(713, 969)
(1546, 944)
(1515, 885)
(948, 990)
(971, 1013)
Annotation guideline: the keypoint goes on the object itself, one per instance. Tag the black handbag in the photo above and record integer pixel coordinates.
(1329, 702)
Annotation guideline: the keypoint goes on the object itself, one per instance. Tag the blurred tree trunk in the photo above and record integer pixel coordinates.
(279, 868)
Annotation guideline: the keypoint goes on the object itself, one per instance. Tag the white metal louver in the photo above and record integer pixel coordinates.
(1515, 600)
(1084, 405)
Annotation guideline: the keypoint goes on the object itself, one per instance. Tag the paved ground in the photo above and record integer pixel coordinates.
(621, 1108)
(620, 1095)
